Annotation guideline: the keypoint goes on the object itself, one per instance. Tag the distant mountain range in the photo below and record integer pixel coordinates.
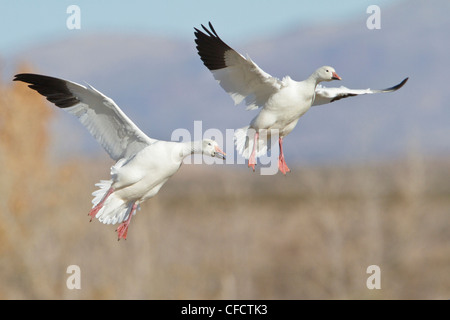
(162, 84)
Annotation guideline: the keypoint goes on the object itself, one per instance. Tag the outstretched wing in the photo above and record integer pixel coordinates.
(118, 135)
(240, 77)
(326, 95)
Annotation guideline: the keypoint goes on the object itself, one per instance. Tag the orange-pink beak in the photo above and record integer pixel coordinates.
(219, 153)
(334, 76)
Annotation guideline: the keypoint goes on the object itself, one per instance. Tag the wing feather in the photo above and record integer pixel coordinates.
(326, 95)
(240, 77)
(101, 116)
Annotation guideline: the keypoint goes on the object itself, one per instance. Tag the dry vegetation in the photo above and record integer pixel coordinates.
(218, 232)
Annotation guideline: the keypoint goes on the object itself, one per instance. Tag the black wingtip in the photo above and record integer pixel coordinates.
(401, 84)
(210, 32)
(212, 29)
(398, 86)
(54, 89)
(210, 47)
(23, 77)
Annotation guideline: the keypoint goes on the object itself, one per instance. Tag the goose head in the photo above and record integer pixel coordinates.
(211, 148)
(326, 73)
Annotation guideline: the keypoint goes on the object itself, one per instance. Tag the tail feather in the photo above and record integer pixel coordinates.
(104, 186)
(244, 140)
(114, 210)
(115, 168)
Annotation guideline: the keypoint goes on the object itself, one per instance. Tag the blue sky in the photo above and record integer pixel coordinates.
(25, 22)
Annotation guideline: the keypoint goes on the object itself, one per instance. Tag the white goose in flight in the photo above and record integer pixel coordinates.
(281, 102)
(143, 164)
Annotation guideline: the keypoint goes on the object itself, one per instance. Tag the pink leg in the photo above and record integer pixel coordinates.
(122, 230)
(281, 162)
(99, 205)
(252, 159)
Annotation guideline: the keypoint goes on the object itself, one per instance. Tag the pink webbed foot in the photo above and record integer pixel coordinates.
(252, 159)
(122, 230)
(282, 166)
(252, 162)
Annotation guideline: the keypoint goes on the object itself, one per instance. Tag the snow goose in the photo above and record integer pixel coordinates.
(143, 164)
(281, 102)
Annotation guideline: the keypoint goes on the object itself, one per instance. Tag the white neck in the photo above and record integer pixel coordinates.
(314, 78)
(190, 147)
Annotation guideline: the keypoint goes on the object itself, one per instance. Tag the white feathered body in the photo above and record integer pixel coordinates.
(283, 109)
(281, 112)
(136, 180)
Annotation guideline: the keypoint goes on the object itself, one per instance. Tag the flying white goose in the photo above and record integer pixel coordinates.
(143, 164)
(282, 102)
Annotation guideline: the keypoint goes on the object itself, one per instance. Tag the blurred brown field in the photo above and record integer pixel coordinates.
(218, 232)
